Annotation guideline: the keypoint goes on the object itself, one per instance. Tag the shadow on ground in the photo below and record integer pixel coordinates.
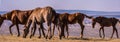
(91, 39)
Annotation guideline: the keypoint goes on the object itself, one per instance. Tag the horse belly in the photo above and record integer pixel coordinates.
(39, 19)
(107, 24)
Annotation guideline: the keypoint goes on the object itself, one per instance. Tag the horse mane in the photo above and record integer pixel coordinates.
(90, 17)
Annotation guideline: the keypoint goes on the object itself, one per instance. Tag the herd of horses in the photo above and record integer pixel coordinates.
(48, 15)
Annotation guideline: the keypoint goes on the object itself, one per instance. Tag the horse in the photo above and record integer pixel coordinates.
(33, 29)
(106, 22)
(58, 21)
(66, 18)
(46, 14)
(16, 17)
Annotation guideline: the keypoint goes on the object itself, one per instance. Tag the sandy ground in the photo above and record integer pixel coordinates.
(90, 34)
(55, 39)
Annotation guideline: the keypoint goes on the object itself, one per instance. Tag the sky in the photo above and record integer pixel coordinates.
(94, 5)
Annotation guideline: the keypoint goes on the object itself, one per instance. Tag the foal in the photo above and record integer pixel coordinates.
(106, 22)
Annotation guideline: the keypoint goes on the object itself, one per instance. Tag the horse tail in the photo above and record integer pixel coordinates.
(90, 17)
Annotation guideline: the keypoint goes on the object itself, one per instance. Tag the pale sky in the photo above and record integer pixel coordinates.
(95, 5)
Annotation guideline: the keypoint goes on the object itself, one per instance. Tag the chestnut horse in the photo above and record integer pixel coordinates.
(17, 17)
(106, 22)
(46, 14)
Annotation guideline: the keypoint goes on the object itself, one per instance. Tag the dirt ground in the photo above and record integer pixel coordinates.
(9, 38)
(90, 34)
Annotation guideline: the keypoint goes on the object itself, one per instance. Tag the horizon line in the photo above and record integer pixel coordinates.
(78, 9)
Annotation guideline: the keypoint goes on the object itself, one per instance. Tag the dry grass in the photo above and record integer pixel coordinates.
(55, 39)
(74, 31)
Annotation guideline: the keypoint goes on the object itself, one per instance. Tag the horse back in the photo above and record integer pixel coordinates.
(107, 21)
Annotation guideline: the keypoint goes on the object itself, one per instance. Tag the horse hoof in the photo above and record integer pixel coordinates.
(24, 37)
(39, 37)
(100, 36)
(117, 37)
(60, 38)
(67, 36)
(81, 36)
(18, 35)
(46, 37)
(11, 34)
(30, 36)
(50, 37)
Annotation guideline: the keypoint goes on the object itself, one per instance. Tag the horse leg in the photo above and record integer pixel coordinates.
(41, 25)
(103, 32)
(34, 29)
(18, 30)
(116, 32)
(49, 31)
(82, 29)
(27, 26)
(67, 30)
(53, 29)
(113, 32)
(39, 32)
(58, 30)
(31, 32)
(62, 31)
(100, 32)
(10, 29)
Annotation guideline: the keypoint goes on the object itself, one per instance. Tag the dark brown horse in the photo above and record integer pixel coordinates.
(46, 14)
(66, 18)
(17, 17)
(106, 22)
(58, 21)
(77, 18)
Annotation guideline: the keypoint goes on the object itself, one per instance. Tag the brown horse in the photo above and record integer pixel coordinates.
(66, 18)
(46, 14)
(33, 29)
(106, 22)
(17, 17)
(77, 18)
(58, 21)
